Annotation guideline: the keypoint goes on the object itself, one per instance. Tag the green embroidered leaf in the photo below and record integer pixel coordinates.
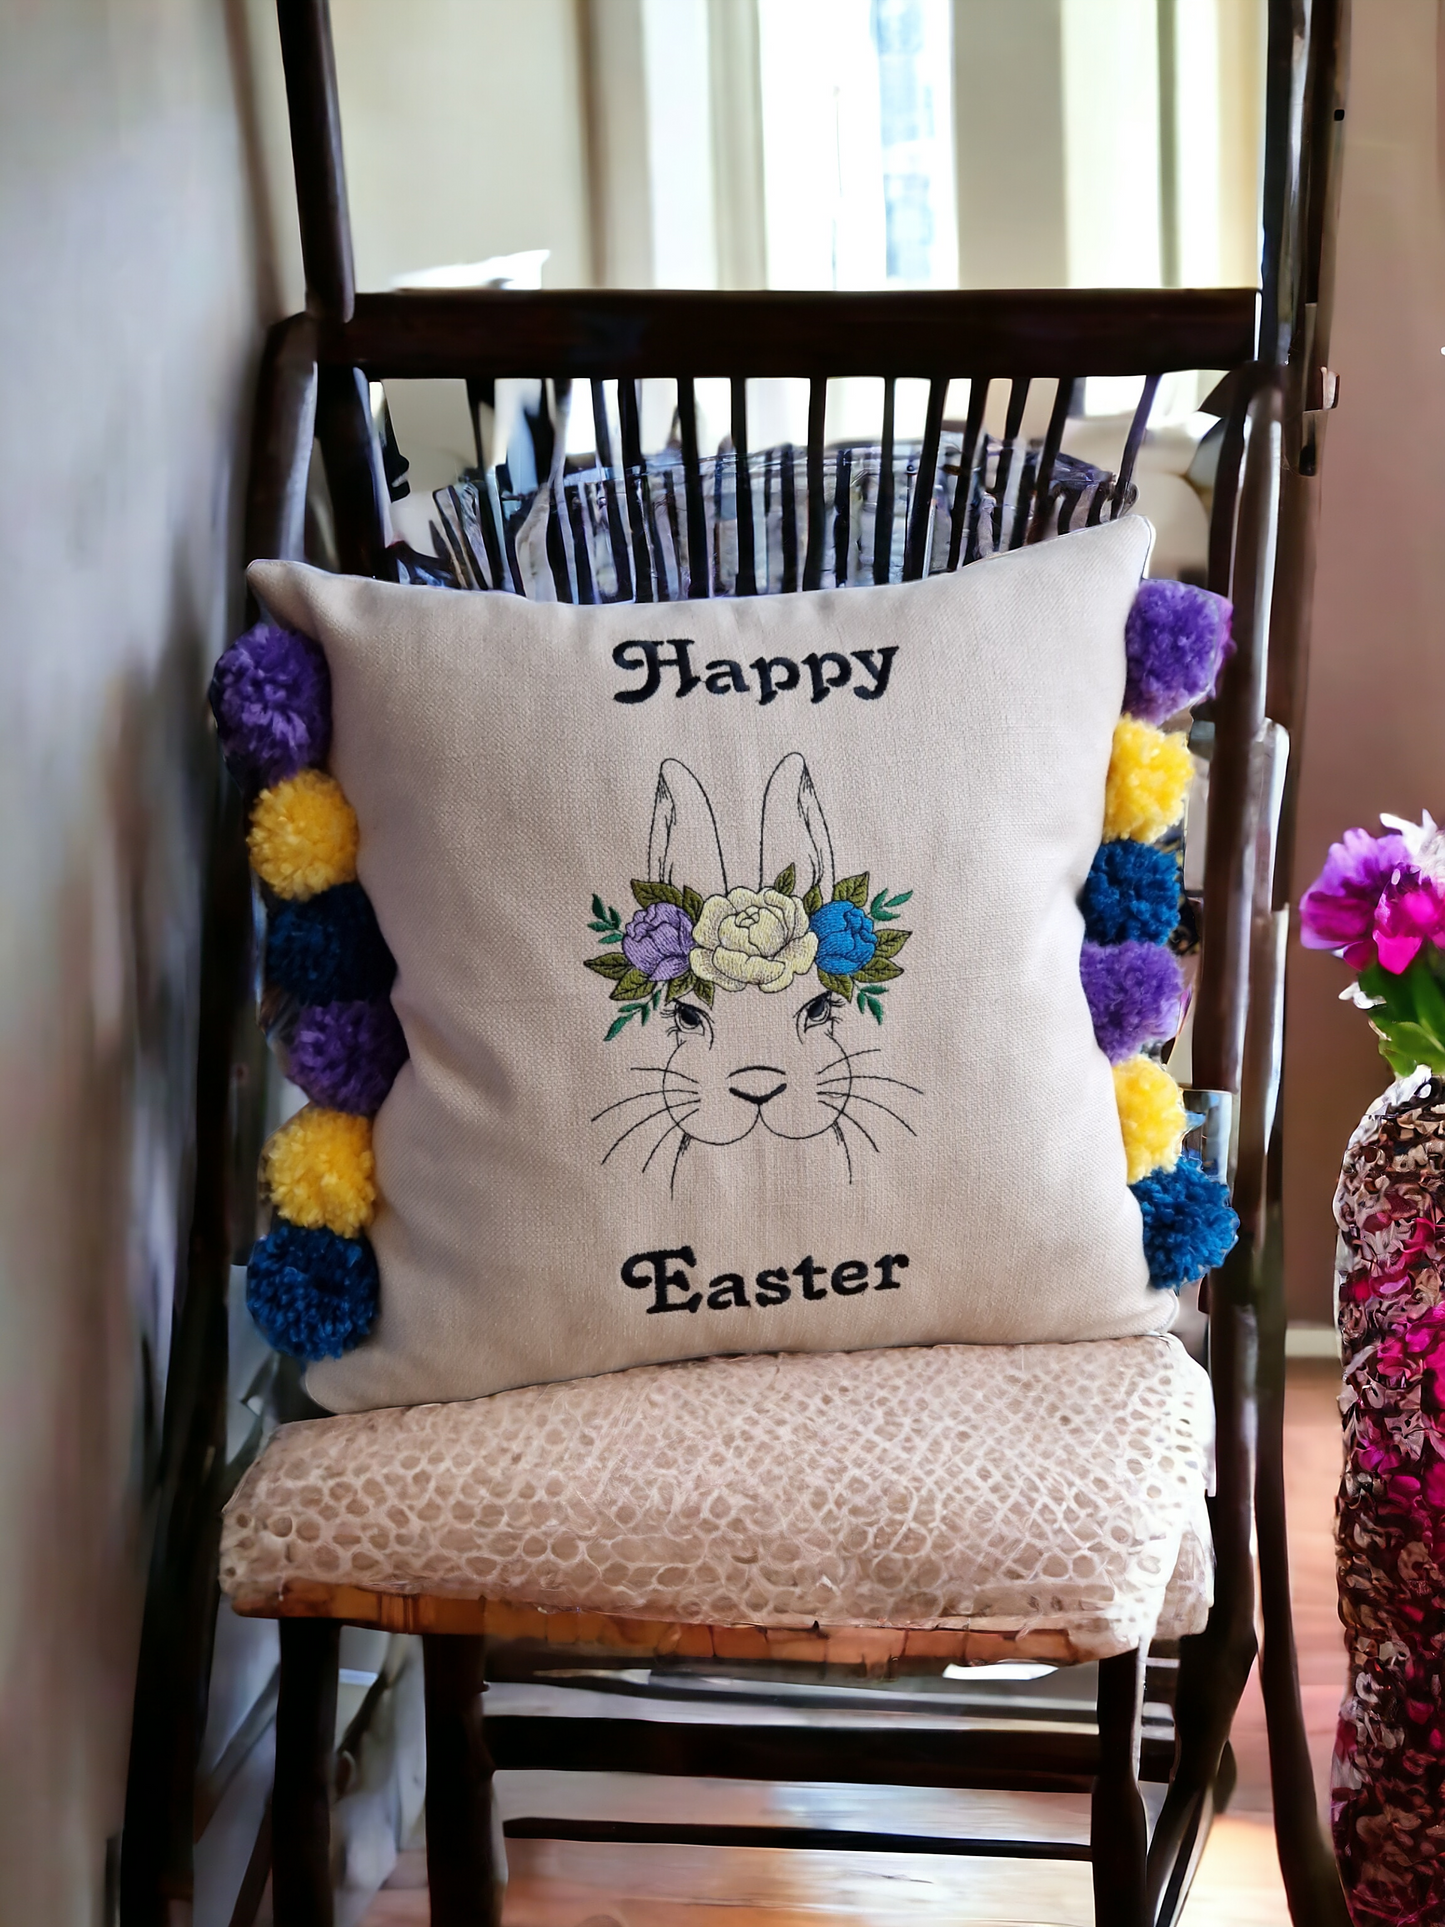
(890, 942)
(895, 903)
(646, 1010)
(704, 990)
(813, 902)
(880, 971)
(633, 984)
(598, 911)
(616, 920)
(650, 893)
(613, 965)
(875, 908)
(692, 903)
(621, 1023)
(852, 890)
(840, 986)
(680, 986)
(785, 881)
(657, 997)
(875, 1011)
(613, 936)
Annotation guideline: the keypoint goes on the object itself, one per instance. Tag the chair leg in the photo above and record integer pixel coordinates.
(1118, 1826)
(466, 1872)
(301, 1802)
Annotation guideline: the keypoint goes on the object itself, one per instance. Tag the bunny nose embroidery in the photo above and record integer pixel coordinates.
(758, 1083)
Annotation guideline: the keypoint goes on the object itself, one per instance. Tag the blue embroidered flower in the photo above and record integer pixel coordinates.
(846, 938)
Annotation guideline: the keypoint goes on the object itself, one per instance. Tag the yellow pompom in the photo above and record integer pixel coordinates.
(1149, 778)
(1151, 1116)
(320, 1172)
(303, 835)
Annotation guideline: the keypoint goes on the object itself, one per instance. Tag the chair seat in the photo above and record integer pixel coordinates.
(1030, 1491)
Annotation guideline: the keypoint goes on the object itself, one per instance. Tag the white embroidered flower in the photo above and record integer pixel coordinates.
(1425, 841)
(755, 937)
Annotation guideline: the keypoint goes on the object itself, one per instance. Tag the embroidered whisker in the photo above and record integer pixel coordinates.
(636, 1098)
(877, 1077)
(662, 1111)
(846, 1117)
(857, 1097)
(673, 1126)
(847, 1154)
(671, 1069)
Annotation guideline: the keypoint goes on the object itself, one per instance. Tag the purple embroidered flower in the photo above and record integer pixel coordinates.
(658, 942)
(1341, 909)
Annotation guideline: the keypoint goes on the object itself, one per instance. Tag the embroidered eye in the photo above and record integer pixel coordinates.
(818, 1010)
(690, 1020)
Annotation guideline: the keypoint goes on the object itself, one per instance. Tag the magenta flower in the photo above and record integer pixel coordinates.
(658, 942)
(1370, 903)
(1410, 913)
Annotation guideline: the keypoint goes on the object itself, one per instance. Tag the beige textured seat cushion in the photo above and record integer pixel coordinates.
(1003, 1489)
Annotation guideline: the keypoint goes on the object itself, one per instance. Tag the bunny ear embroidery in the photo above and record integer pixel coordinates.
(683, 841)
(794, 832)
(680, 942)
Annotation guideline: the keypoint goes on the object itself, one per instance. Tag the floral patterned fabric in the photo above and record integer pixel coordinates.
(1389, 1772)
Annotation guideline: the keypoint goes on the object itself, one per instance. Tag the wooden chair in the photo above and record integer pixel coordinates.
(314, 384)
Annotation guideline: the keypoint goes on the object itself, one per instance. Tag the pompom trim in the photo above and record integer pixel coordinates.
(303, 836)
(1189, 1225)
(313, 1294)
(320, 1173)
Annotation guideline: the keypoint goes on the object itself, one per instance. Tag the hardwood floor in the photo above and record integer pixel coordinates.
(573, 1884)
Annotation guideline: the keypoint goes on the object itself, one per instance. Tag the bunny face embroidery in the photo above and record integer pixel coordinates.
(751, 985)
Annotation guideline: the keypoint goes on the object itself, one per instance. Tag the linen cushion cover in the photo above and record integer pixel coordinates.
(847, 833)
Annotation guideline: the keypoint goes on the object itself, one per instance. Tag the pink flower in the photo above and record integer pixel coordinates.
(1337, 912)
(1409, 913)
(1371, 903)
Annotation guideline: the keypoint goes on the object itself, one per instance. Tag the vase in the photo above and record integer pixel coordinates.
(1388, 1793)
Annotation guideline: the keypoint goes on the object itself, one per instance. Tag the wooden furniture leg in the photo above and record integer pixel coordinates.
(465, 1871)
(301, 1803)
(1118, 1826)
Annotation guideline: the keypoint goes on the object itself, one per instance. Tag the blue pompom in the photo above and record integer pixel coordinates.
(329, 949)
(1131, 894)
(1189, 1226)
(312, 1293)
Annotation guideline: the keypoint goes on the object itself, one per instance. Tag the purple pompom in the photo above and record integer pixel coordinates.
(1134, 992)
(347, 1055)
(1177, 638)
(271, 696)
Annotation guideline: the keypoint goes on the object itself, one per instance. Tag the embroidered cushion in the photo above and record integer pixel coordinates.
(737, 954)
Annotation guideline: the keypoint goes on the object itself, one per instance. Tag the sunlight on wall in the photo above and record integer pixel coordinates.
(1111, 135)
(857, 140)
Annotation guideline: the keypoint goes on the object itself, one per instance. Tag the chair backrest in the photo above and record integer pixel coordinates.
(314, 387)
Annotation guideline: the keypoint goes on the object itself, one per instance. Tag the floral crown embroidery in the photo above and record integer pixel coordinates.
(678, 943)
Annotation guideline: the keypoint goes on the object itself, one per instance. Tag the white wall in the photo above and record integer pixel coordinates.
(128, 330)
(463, 132)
